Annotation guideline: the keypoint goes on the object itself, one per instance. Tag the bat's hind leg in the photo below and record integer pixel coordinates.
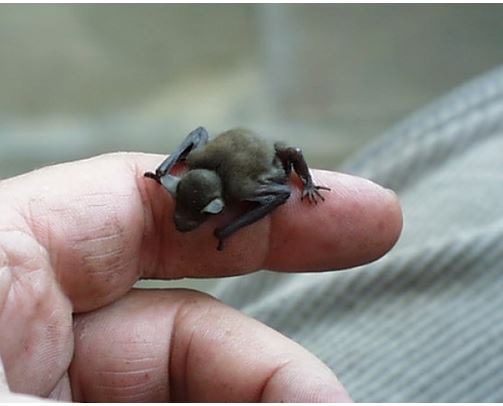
(268, 197)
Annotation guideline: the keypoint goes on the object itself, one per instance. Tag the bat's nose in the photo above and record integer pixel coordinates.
(184, 225)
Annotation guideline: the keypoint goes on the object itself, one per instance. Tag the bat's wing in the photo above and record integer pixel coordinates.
(195, 139)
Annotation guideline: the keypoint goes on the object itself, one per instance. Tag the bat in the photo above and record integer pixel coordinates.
(235, 166)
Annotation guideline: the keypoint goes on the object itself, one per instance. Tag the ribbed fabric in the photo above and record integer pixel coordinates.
(424, 323)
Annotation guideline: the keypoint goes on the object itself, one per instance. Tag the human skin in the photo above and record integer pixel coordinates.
(75, 237)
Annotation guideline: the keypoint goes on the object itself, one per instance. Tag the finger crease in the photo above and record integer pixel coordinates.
(272, 374)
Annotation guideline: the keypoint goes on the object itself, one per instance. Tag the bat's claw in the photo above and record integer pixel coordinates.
(153, 175)
(220, 245)
(312, 193)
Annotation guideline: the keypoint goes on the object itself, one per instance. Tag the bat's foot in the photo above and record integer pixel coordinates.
(311, 192)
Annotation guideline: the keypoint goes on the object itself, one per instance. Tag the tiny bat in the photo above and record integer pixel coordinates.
(235, 166)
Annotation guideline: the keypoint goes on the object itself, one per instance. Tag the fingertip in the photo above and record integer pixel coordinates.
(388, 222)
(395, 215)
(358, 222)
(304, 383)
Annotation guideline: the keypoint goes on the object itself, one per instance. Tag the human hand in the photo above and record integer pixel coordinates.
(75, 237)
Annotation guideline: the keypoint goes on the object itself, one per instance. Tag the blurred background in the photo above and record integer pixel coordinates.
(78, 80)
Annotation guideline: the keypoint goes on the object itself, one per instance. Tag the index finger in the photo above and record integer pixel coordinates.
(104, 226)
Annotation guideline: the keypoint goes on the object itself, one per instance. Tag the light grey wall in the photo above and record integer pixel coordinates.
(78, 80)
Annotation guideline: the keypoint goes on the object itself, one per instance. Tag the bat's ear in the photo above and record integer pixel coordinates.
(170, 182)
(214, 207)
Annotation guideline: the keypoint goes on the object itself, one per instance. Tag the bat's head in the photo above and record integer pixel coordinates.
(198, 194)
